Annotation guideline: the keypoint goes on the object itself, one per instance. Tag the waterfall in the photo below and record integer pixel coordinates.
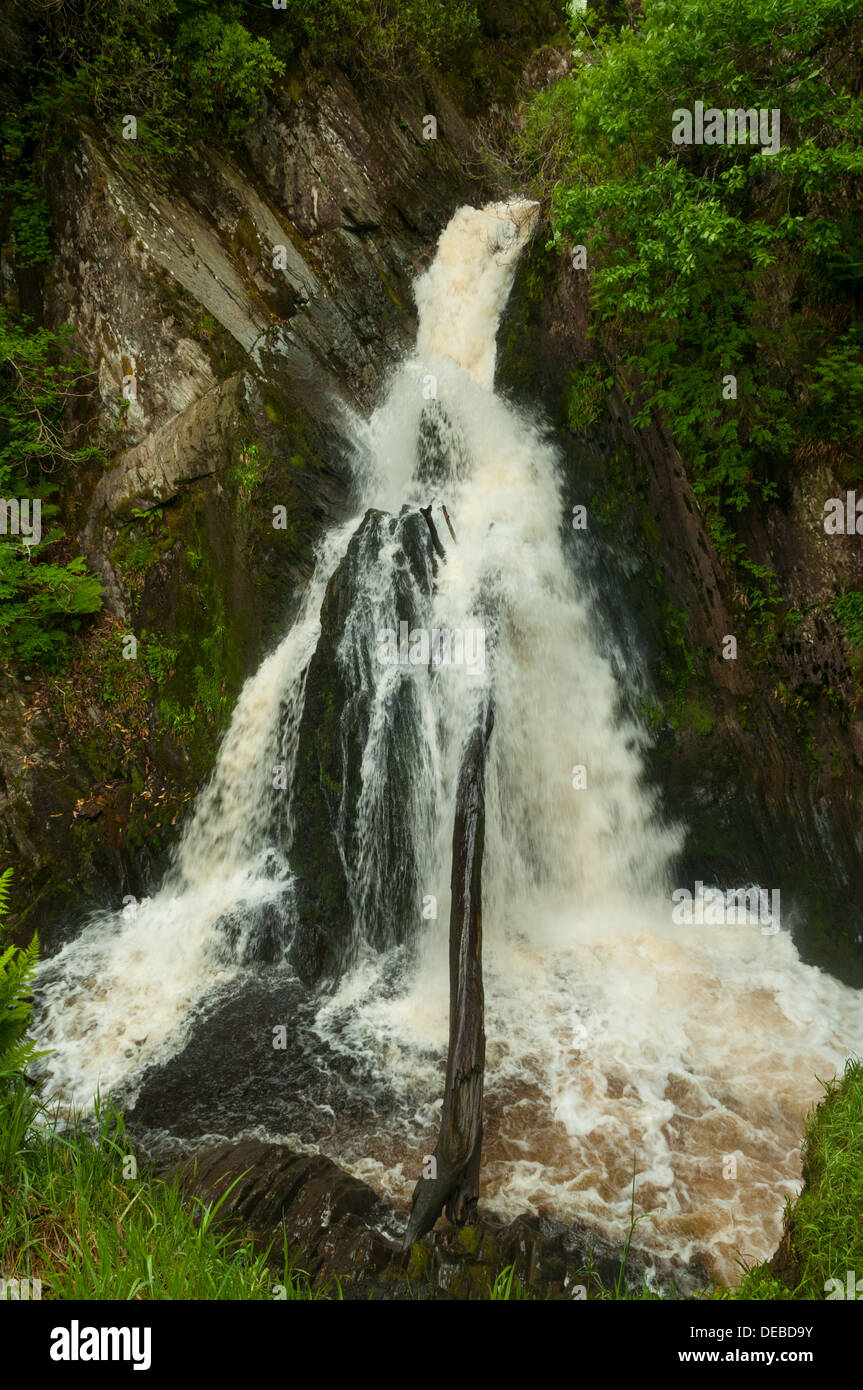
(612, 1032)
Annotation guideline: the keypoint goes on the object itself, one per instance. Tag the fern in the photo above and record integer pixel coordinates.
(17, 969)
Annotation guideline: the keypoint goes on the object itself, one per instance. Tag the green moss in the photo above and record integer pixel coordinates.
(246, 236)
(468, 1239)
(418, 1266)
(678, 666)
(205, 327)
(140, 545)
(697, 715)
(613, 494)
(650, 530)
(652, 713)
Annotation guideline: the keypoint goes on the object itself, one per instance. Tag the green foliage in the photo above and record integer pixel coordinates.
(717, 260)
(383, 36)
(43, 593)
(184, 68)
(158, 659)
(249, 471)
(17, 968)
(507, 1288)
(192, 69)
(825, 1228)
(70, 1216)
(30, 221)
(679, 666)
(585, 395)
(224, 70)
(848, 608)
(837, 388)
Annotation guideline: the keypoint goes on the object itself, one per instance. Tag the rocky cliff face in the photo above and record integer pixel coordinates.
(230, 318)
(759, 755)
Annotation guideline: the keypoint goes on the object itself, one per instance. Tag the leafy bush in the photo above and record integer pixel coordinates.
(43, 592)
(189, 69)
(224, 70)
(715, 260)
(184, 68)
(388, 37)
(29, 217)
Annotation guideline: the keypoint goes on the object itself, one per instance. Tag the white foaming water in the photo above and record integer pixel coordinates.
(611, 1033)
(118, 996)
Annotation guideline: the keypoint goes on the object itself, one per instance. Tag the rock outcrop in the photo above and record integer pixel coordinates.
(338, 819)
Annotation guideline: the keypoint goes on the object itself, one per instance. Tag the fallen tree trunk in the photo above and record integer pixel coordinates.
(454, 1179)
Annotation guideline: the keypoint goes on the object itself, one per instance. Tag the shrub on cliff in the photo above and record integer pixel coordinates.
(192, 70)
(709, 261)
(45, 588)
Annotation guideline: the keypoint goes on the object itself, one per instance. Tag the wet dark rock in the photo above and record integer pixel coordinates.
(330, 899)
(338, 1229)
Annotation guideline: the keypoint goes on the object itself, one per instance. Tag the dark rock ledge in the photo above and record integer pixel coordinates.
(338, 1229)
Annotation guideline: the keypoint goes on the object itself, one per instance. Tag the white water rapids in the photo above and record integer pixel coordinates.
(613, 1035)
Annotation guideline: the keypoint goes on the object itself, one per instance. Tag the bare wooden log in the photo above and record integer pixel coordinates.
(455, 1184)
(436, 541)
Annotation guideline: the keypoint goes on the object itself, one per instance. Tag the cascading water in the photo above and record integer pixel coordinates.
(612, 1033)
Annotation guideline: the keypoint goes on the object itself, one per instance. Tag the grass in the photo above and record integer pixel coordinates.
(825, 1228)
(74, 1214)
(507, 1288)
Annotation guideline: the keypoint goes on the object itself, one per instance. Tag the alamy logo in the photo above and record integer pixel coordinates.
(844, 516)
(21, 1290)
(76, 1343)
(442, 646)
(715, 907)
(741, 126)
(852, 1290)
(16, 519)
